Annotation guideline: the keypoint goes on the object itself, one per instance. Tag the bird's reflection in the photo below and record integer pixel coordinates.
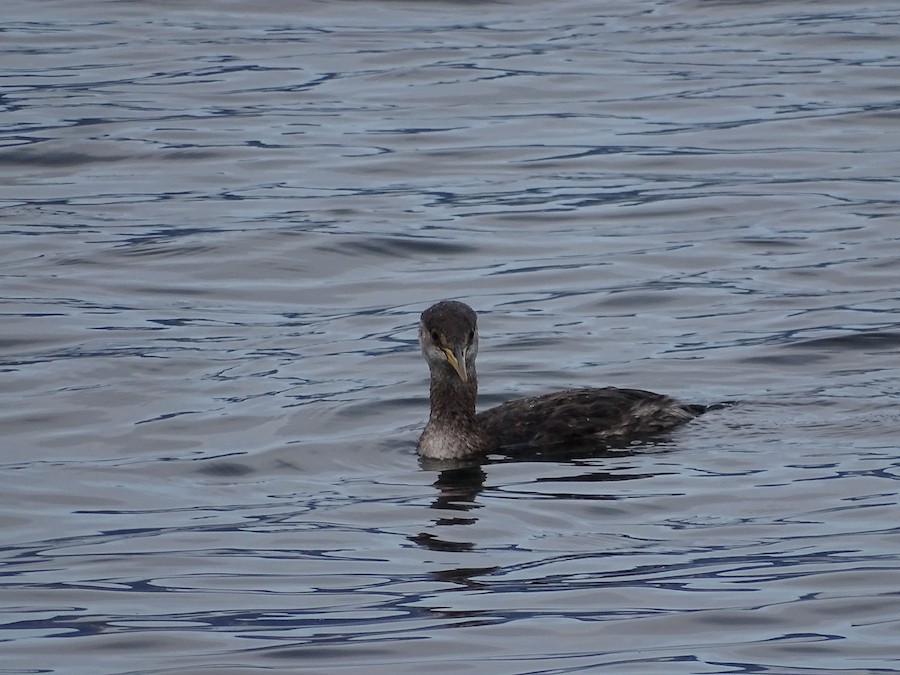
(457, 486)
(459, 483)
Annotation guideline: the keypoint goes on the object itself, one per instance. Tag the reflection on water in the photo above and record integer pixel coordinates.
(219, 229)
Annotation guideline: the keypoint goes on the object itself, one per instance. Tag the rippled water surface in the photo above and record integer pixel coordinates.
(221, 220)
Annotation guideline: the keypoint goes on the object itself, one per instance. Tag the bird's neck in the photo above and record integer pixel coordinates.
(453, 431)
(452, 400)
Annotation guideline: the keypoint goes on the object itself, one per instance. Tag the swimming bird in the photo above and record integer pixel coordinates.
(584, 417)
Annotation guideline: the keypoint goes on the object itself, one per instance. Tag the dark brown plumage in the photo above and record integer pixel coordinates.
(596, 417)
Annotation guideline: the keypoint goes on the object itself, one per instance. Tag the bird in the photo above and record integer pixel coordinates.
(598, 417)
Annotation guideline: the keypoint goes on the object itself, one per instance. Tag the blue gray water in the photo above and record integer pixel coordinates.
(219, 222)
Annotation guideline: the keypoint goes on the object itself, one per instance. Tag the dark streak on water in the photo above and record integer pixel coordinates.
(219, 225)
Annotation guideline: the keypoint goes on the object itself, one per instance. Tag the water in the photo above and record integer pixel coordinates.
(221, 221)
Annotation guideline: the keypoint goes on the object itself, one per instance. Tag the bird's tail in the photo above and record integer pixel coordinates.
(700, 409)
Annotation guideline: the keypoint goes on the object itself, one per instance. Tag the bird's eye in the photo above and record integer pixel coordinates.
(471, 337)
(435, 336)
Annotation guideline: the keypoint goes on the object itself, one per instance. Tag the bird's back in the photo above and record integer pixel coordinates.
(578, 417)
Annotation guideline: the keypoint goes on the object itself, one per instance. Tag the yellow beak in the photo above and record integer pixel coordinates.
(458, 361)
